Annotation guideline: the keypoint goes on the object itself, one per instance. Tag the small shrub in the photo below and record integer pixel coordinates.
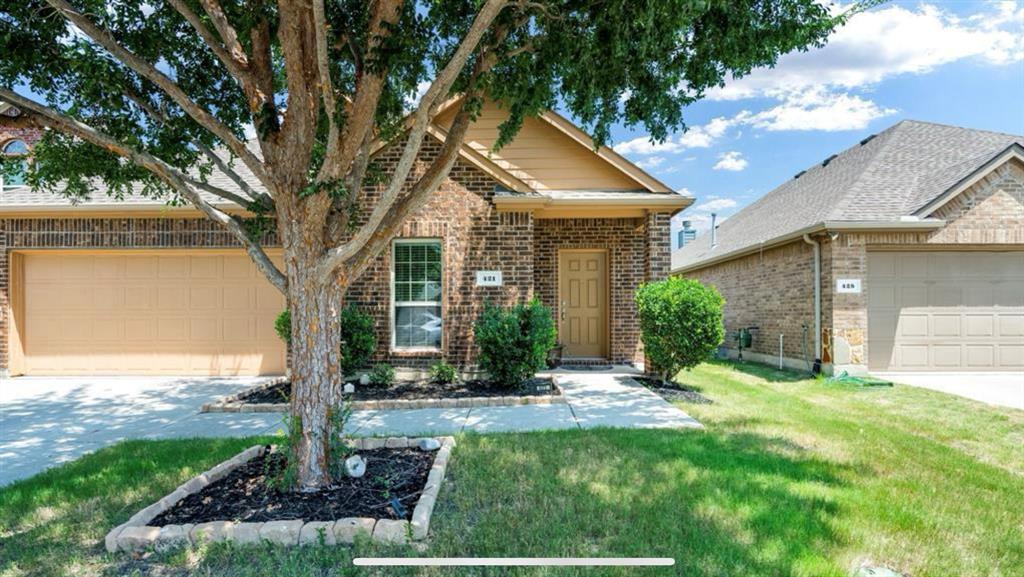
(382, 375)
(358, 336)
(680, 324)
(283, 326)
(514, 342)
(443, 373)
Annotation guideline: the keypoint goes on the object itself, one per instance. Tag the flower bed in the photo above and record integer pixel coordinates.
(391, 503)
(672, 391)
(273, 396)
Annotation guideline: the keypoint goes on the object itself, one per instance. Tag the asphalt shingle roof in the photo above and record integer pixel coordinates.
(877, 180)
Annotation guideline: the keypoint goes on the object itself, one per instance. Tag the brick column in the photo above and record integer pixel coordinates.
(658, 256)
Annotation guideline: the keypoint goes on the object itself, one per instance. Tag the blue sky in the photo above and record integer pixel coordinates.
(956, 63)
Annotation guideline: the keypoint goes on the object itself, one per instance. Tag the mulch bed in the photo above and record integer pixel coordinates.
(414, 390)
(243, 495)
(673, 391)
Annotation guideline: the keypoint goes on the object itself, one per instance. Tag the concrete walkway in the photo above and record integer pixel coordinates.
(1001, 389)
(45, 421)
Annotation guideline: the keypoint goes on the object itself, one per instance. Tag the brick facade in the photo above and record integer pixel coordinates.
(773, 289)
(474, 235)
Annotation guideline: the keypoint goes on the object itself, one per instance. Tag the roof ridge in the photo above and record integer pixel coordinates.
(882, 141)
(958, 127)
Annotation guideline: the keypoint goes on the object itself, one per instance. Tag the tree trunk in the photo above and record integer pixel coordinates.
(317, 380)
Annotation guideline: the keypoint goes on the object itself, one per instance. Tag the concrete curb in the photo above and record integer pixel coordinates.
(234, 404)
(137, 535)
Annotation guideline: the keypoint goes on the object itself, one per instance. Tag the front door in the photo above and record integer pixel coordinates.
(583, 303)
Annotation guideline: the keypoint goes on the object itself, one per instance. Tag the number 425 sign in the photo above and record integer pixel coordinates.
(848, 285)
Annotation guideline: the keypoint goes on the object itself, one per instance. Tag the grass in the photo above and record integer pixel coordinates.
(791, 477)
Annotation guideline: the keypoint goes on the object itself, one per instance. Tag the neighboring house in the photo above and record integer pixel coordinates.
(137, 287)
(921, 237)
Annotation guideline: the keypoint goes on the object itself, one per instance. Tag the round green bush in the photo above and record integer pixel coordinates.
(382, 375)
(358, 336)
(443, 373)
(514, 342)
(680, 324)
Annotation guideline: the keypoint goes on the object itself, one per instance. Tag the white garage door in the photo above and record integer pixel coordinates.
(150, 313)
(946, 311)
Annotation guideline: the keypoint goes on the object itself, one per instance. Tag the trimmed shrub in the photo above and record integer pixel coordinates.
(514, 342)
(283, 326)
(680, 324)
(382, 375)
(443, 373)
(358, 336)
(358, 339)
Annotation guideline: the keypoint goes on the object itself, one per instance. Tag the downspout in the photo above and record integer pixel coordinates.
(817, 302)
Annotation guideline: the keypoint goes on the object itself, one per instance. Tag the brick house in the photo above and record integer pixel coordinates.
(138, 287)
(918, 237)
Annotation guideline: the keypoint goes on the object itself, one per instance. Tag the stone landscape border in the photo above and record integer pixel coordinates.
(234, 404)
(136, 535)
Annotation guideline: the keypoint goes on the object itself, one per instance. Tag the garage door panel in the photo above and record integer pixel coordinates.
(948, 311)
(1011, 325)
(160, 314)
(978, 325)
(1011, 356)
(980, 356)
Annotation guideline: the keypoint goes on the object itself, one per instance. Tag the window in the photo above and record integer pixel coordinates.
(417, 294)
(14, 174)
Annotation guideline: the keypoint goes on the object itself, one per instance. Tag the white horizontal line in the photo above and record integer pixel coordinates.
(514, 561)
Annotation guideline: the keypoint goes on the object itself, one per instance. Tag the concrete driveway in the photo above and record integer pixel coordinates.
(45, 421)
(1001, 389)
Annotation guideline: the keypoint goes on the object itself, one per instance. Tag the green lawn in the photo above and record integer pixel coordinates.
(791, 477)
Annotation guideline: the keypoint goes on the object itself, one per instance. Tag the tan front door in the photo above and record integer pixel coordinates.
(583, 303)
(148, 313)
(946, 311)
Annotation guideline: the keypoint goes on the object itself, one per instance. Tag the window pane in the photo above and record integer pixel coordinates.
(417, 279)
(16, 147)
(418, 326)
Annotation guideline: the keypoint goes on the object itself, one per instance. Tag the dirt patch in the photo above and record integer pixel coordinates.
(673, 391)
(415, 390)
(390, 489)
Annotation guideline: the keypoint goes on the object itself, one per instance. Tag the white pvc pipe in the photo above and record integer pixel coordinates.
(780, 350)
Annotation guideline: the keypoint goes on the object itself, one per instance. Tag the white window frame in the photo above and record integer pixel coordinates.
(393, 307)
(3, 151)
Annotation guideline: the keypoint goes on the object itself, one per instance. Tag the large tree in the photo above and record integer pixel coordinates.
(290, 99)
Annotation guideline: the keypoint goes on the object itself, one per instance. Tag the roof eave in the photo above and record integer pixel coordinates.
(827, 226)
(1013, 151)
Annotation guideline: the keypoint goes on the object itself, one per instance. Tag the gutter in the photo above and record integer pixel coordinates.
(817, 301)
(826, 226)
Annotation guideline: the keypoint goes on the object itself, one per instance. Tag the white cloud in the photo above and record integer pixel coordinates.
(819, 110)
(732, 161)
(413, 100)
(715, 205)
(651, 162)
(702, 136)
(890, 41)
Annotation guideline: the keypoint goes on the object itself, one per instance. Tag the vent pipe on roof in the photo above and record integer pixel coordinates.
(714, 231)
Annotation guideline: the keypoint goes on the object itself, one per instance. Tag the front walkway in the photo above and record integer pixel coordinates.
(48, 421)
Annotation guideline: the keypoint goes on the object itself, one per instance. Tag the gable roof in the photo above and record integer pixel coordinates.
(882, 181)
(551, 153)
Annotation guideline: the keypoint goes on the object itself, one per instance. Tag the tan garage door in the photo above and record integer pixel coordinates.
(154, 313)
(946, 311)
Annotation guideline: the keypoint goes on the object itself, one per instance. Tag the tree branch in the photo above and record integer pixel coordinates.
(148, 71)
(235, 60)
(423, 115)
(226, 31)
(160, 117)
(170, 175)
(362, 113)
